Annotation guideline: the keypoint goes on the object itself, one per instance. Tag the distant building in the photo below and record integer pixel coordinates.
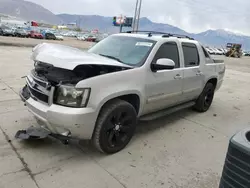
(95, 31)
(62, 27)
(72, 25)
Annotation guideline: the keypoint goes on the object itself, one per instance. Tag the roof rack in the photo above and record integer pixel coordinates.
(177, 35)
(150, 33)
(164, 35)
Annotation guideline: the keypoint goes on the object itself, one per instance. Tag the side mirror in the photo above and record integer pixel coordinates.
(163, 64)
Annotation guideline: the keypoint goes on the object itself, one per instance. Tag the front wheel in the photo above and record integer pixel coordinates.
(205, 100)
(115, 126)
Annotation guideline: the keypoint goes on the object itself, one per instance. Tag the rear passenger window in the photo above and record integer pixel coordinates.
(191, 55)
(168, 50)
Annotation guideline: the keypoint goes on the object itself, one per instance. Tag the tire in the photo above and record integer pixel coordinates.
(115, 126)
(205, 100)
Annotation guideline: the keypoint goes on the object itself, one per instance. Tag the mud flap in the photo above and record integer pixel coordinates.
(33, 133)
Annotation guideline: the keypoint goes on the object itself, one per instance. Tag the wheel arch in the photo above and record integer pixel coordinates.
(132, 97)
(213, 81)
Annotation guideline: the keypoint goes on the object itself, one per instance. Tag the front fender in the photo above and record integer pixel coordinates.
(112, 85)
(122, 93)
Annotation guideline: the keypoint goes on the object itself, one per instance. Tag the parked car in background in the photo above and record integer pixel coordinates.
(35, 34)
(50, 36)
(246, 53)
(222, 51)
(210, 50)
(21, 33)
(81, 37)
(90, 38)
(8, 31)
(217, 52)
(70, 34)
(58, 36)
(214, 50)
(100, 37)
(1, 31)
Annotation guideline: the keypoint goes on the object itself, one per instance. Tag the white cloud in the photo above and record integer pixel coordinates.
(190, 15)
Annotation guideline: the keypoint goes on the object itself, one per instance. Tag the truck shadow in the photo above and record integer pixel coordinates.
(143, 129)
(146, 127)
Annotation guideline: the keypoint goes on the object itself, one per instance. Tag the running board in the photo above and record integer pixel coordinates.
(165, 112)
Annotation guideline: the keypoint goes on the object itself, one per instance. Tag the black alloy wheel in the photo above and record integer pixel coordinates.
(205, 100)
(119, 126)
(209, 98)
(115, 126)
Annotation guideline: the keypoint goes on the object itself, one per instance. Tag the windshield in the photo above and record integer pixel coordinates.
(128, 50)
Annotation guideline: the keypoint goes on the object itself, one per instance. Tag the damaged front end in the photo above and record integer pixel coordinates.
(49, 85)
(46, 80)
(51, 94)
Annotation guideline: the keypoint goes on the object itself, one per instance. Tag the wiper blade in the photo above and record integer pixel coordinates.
(112, 57)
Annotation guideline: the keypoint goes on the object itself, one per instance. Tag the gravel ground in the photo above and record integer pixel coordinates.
(29, 42)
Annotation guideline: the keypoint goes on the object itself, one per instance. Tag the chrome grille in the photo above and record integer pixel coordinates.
(37, 95)
(39, 81)
(39, 89)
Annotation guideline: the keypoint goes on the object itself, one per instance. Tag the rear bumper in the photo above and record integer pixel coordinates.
(80, 122)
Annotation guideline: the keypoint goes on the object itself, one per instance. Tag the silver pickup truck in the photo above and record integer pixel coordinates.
(100, 94)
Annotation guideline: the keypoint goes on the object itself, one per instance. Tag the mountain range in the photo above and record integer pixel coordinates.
(27, 10)
(32, 11)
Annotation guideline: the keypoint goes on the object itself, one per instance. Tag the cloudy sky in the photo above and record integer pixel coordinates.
(190, 15)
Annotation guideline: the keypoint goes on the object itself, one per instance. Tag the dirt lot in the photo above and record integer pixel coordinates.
(183, 150)
(29, 42)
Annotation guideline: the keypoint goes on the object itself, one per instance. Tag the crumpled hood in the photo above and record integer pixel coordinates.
(68, 57)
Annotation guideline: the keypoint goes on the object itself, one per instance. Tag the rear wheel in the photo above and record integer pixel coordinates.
(205, 100)
(115, 126)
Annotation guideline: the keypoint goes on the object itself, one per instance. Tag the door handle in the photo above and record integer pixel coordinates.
(199, 73)
(177, 77)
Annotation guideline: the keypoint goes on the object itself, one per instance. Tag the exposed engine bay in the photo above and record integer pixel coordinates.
(56, 75)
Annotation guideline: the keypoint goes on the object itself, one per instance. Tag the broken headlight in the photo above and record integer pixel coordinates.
(72, 97)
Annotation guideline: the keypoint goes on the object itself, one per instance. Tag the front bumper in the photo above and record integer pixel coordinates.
(80, 122)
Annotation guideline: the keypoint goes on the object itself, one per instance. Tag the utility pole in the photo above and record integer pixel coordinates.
(121, 23)
(120, 28)
(137, 15)
(134, 19)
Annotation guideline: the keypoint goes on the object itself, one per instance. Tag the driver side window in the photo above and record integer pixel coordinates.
(168, 50)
